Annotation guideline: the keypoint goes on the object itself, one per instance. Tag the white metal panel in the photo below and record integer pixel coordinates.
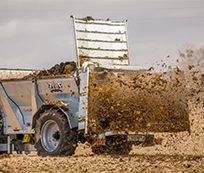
(102, 53)
(100, 28)
(102, 45)
(102, 37)
(101, 41)
(83, 110)
(98, 21)
(109, 62)
(134, 68)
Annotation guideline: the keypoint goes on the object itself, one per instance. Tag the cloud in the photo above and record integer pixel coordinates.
(8, 29)
(34, 43)
(16, 27)
(37, 33)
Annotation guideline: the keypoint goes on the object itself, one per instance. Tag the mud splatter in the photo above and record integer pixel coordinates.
(137, 101)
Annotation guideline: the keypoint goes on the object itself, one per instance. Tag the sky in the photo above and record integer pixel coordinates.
(39, 33)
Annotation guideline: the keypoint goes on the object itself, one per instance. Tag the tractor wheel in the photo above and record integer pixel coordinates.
(53, 136)
(101, 149)
(3, 137)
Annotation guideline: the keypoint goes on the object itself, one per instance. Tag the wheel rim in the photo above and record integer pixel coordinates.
(50, 135)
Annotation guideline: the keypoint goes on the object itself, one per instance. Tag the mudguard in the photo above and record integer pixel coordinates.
(71, 119)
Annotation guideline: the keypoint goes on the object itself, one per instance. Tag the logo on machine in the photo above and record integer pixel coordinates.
(55, 87)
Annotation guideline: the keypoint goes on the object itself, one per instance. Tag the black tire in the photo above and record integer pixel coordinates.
(114, 145)
(99, 149)
(67, 138)
(3, 138)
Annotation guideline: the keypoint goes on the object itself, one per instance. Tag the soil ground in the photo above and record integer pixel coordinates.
(85, 161)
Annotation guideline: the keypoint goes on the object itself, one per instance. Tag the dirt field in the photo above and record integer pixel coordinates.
(85, 161)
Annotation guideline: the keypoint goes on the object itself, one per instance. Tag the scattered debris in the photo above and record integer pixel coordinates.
(88, 18)
(136, 101)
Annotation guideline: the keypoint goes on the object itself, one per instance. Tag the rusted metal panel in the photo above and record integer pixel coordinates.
(101, 41)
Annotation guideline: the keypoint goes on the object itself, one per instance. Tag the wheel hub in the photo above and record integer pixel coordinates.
(50, 135)
(56, 135)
